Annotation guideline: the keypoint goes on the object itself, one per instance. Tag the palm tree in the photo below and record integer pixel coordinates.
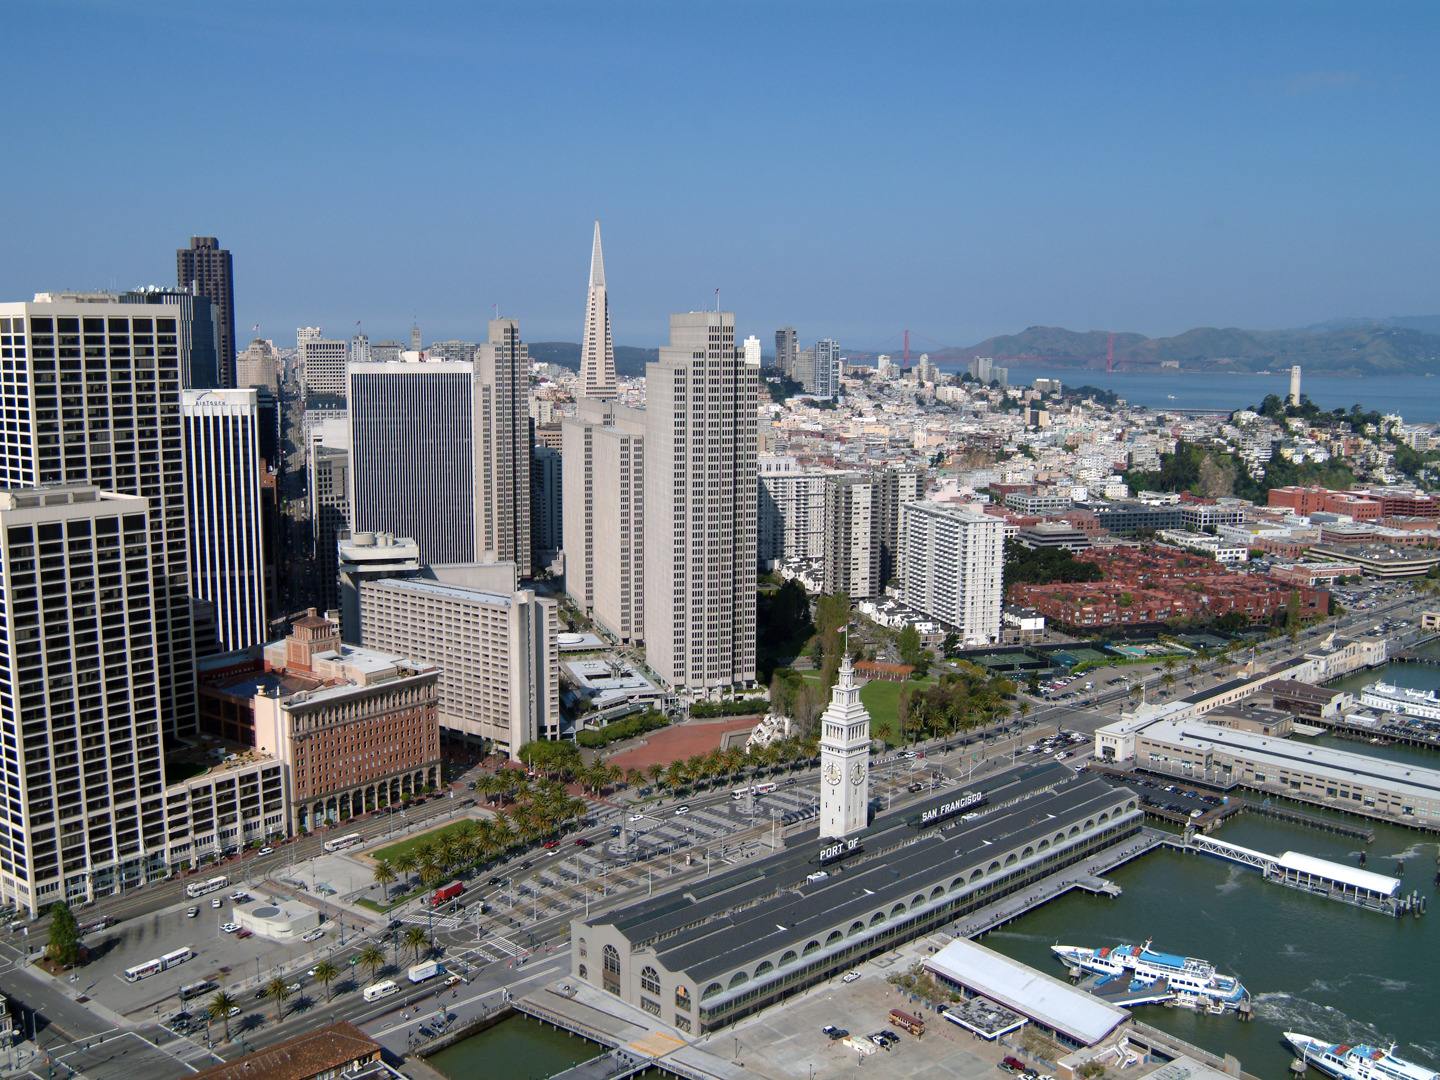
(384, 875)
(327, 973)
(373, 957)
(431, 875)
(407, 862)
(278, 990)
(416, 938)
(219, 1009)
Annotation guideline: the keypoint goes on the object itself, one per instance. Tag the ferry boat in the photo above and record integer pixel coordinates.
(1192, 983)
(1356, 1061)
(1388, 697)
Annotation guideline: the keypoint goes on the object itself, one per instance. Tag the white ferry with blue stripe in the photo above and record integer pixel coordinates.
(1188, 982)
(1356, 1061)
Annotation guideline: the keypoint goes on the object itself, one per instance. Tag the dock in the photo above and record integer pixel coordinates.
(1280, 812)
(1306, 873)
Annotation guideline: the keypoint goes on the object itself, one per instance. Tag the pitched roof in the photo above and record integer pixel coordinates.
(301, 1058)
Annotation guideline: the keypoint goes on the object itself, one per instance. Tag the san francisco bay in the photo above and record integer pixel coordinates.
(1312, 965)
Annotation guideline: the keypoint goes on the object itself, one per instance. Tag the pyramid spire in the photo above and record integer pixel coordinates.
(597, 260)
(597, 349)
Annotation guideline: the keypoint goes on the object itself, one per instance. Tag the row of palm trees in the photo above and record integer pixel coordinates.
(415, 938)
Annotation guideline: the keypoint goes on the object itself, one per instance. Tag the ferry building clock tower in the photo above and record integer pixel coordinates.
(844, 759)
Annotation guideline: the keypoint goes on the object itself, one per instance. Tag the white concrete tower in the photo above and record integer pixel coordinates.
(844, 759)
(1295, 386)
(597, 349)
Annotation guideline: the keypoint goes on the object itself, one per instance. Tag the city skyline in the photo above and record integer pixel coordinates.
(1079, 171)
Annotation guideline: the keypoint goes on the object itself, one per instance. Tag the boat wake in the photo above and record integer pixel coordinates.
(1014, 935)
(1232, 881)
(1290, 1012)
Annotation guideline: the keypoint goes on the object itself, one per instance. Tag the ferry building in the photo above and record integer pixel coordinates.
(721, 948)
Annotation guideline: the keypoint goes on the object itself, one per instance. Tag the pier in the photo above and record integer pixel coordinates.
(1294, 870)
(1279, 812)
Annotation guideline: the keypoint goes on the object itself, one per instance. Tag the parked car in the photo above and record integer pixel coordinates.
(834, 1032)
(216, 902)
(229, 927)
(243, 933)
(192, 911)
(850, 976)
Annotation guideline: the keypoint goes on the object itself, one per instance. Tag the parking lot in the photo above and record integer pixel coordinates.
(789, 1040)
(219, 956)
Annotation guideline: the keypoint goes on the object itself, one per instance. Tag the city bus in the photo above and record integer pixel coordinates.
(200, 888)
(340, 843)
(144, 971)
(376, 991)
(195, 989)
(758, 789)
(179, 956)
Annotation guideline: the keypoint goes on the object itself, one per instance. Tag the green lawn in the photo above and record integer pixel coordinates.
(389, 853)
(882, 699)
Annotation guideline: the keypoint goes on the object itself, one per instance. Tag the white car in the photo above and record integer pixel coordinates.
(312, 935)
(453, 978)
(217, 902)
(850, 976)
(267, 850)
(192, 911)
(230, 927)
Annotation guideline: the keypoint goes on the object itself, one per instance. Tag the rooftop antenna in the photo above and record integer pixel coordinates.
(717, 301)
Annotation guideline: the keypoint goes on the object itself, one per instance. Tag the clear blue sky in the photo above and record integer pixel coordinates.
(853, 169)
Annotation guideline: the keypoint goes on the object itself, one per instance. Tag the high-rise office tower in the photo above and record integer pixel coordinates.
(700, 506)
(415, 338)
(199, 340)
(498, 653)
(417, 447)
(785, 346)
(128, 406)
(546, 504)
(222, 477)
(359, 350)
(852, 540)
(83, 743)
(827, 367)
(502, 366)
(329, 515)
(322, 361)
(951, 562)
(207, 268)
(597, 348)
(604, 516)
(258, 365)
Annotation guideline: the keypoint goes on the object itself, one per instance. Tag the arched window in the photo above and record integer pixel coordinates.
(738, 979)
(1027, 852)
(764, 968)
(1104, 817)
(1074, 829)
(1044, 845)
(855, 927)
(916, 901)
(583, 973)
(835, 936)
(1011, 859)
(975, 875)
(649, 980)
(711, 991)
(937, 892)
(611, 969)
(789, 958)
(877, 918)
(898, 909)
(992, 868)
(583, 950)
(810, 946)
(682, 996)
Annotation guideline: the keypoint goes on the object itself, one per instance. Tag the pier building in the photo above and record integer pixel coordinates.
(719, 949)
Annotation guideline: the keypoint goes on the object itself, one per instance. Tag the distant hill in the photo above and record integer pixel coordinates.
(1365, 349)
(629, 360)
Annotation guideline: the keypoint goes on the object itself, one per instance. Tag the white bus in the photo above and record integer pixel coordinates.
(200, 888)
(376, 991)
(340, 843)
(179, 956)
(195, 989)
(739, 793)
(144, 971)
(765, 788)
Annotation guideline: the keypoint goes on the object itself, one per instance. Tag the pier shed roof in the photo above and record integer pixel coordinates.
(1346, 875)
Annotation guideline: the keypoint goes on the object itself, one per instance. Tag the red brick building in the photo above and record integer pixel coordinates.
(1154, 585)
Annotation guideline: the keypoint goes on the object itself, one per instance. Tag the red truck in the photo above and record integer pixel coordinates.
(446, 892)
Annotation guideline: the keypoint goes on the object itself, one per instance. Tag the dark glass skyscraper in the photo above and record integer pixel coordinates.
(208, 267)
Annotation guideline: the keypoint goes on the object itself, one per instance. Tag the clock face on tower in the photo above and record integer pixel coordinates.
(832, 773)
(857, 773)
